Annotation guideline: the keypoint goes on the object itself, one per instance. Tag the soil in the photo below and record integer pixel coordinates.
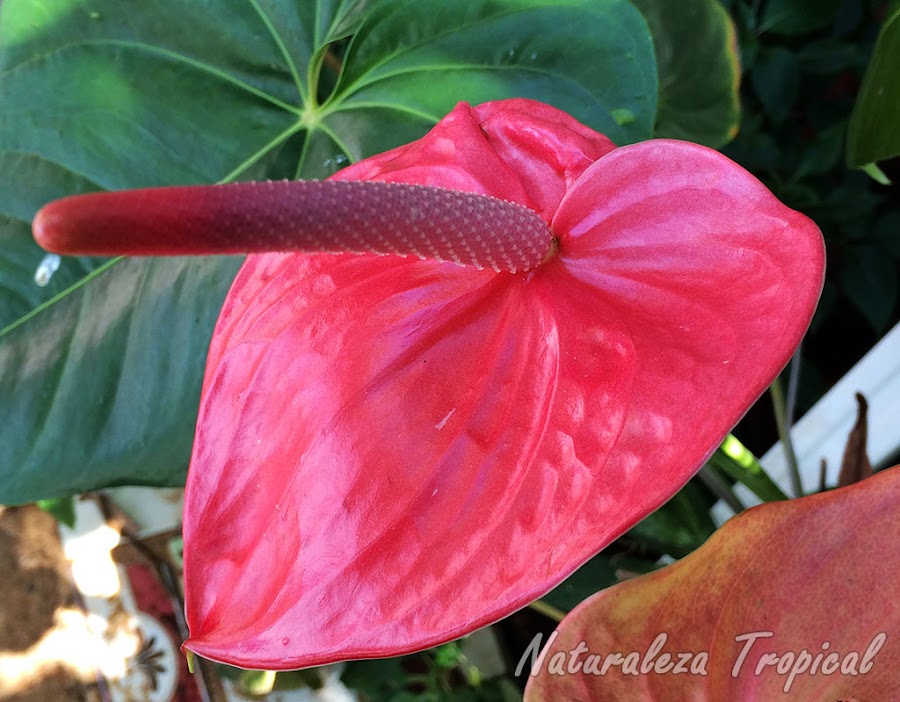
(35, 583)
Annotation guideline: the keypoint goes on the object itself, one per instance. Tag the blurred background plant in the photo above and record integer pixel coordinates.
(803, 65)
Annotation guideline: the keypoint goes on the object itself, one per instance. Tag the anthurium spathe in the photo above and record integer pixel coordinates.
(793, 600)
(392, 452)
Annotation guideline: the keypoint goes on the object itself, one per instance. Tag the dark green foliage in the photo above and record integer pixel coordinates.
(803, 62)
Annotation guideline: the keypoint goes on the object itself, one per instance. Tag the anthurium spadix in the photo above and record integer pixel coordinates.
(395, 450)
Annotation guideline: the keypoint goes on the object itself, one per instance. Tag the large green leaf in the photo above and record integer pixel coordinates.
(694, 39)
(100, 371)
(19, 260)
(874, 132)
(103, 387)
(413, 59)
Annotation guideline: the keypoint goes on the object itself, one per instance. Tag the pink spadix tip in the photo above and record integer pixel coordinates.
(313, 216)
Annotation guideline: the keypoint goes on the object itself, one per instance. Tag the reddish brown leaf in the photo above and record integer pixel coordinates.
(785, 578)
(855, 465)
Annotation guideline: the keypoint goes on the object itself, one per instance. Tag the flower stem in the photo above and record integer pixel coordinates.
(784, 433)
(548, 610)
(709, 477)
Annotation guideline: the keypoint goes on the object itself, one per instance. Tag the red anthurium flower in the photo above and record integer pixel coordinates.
(392, 452)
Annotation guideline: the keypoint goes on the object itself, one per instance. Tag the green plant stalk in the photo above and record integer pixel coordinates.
(784, 433)
(720, 488)
(548, 610)
(734, 460)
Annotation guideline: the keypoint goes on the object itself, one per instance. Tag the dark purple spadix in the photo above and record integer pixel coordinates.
(316, 216)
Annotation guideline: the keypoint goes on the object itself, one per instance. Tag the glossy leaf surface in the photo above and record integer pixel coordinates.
(392, 452)
(19, 260)
(818, 575)
(109, 95)
(90, 378)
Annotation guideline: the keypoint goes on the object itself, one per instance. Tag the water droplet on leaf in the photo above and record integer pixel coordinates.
(45, 270)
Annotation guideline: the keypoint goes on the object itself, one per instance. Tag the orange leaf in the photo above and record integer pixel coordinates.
(795, 600)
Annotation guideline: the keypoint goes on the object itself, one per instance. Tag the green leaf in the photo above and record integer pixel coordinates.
(795, 17)
(447, 655)
(105, 384)
(28, 181)
(828, 56)
(62, 509)
(874, 133)
(375, 678)
(870, 279)
(412, 61)
(595, 575)
(823, 153)
(886, 233)
(20, 258)
(100, 371)
(695, 38)
(151, 94)
(875, 173)
(739, 464)
(679, 526)
(775, 80)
